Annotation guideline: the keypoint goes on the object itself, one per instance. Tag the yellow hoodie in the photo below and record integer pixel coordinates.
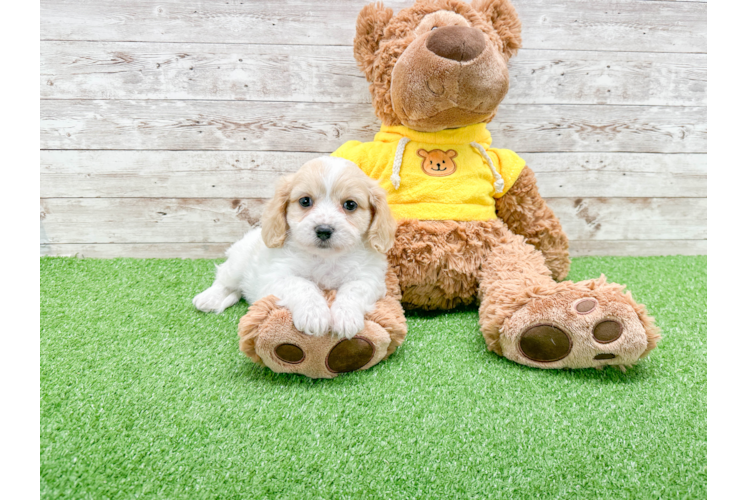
(448, 175)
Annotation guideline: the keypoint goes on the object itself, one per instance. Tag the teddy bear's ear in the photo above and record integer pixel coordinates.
(423, 153)
(451, 153)
(502, 16)
(369, 32)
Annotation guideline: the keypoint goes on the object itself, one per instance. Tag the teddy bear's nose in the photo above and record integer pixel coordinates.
(459, 43)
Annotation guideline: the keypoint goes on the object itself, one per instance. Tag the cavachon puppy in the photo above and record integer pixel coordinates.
(328, 227)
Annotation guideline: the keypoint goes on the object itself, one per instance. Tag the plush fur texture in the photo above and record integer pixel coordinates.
(526, 213)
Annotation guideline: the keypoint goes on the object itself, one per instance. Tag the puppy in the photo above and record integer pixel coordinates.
(328, 227)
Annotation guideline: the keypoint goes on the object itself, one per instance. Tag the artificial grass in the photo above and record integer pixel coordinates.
(143, 396)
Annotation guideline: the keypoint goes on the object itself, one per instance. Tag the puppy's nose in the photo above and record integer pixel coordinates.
(324, 231)
(459, 43)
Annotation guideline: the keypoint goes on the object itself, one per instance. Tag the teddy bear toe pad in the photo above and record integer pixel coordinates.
(290, 353)
(575, 330)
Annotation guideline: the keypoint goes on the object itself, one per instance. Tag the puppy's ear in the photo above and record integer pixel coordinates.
(381, 234)
(369, 32)
(504, 19)
(274, 223)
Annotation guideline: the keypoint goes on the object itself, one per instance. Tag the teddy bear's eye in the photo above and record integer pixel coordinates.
(305, 202)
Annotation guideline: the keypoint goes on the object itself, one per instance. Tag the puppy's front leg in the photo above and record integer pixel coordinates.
(306, 303)
(353, 300)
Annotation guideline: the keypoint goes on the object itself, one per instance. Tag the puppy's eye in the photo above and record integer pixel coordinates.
(350, 205)
(305, 202)
(432, 29)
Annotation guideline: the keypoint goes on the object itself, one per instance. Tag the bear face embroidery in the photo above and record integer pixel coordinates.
(438, 163)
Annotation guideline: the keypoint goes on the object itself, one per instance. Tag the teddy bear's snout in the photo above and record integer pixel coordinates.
(458, 43)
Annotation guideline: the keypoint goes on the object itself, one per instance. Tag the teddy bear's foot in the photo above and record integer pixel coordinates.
(579, 329)
(268, 336)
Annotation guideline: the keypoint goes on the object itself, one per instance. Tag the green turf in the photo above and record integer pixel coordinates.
(143, 396)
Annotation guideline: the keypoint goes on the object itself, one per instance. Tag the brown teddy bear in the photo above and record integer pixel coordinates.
(472, 226)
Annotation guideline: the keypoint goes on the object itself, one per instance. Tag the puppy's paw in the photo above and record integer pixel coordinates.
(216, 299)
(346, 321)
(312, 318)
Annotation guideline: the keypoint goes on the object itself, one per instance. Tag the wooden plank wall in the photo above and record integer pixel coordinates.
(165, 123)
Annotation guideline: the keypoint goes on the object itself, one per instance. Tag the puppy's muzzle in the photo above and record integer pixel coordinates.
(324, 232)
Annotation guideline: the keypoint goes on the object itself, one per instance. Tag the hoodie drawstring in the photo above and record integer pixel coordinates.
(498, 184)
(395, 177)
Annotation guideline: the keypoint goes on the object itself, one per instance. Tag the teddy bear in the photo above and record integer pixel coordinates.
(472, 226)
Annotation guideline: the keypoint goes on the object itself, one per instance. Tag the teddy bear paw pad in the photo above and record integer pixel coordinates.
(607, 331)
(350, 354)
(290, 353)
(544, 343)
(579, 329)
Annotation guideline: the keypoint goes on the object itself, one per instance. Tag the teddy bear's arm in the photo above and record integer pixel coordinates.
(525, 212)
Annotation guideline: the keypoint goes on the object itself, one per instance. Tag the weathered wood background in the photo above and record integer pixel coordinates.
(164, 124)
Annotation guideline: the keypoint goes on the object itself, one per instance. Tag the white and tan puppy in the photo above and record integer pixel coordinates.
(327, 227)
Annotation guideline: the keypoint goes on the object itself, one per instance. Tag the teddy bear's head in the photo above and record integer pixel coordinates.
(438, 64)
